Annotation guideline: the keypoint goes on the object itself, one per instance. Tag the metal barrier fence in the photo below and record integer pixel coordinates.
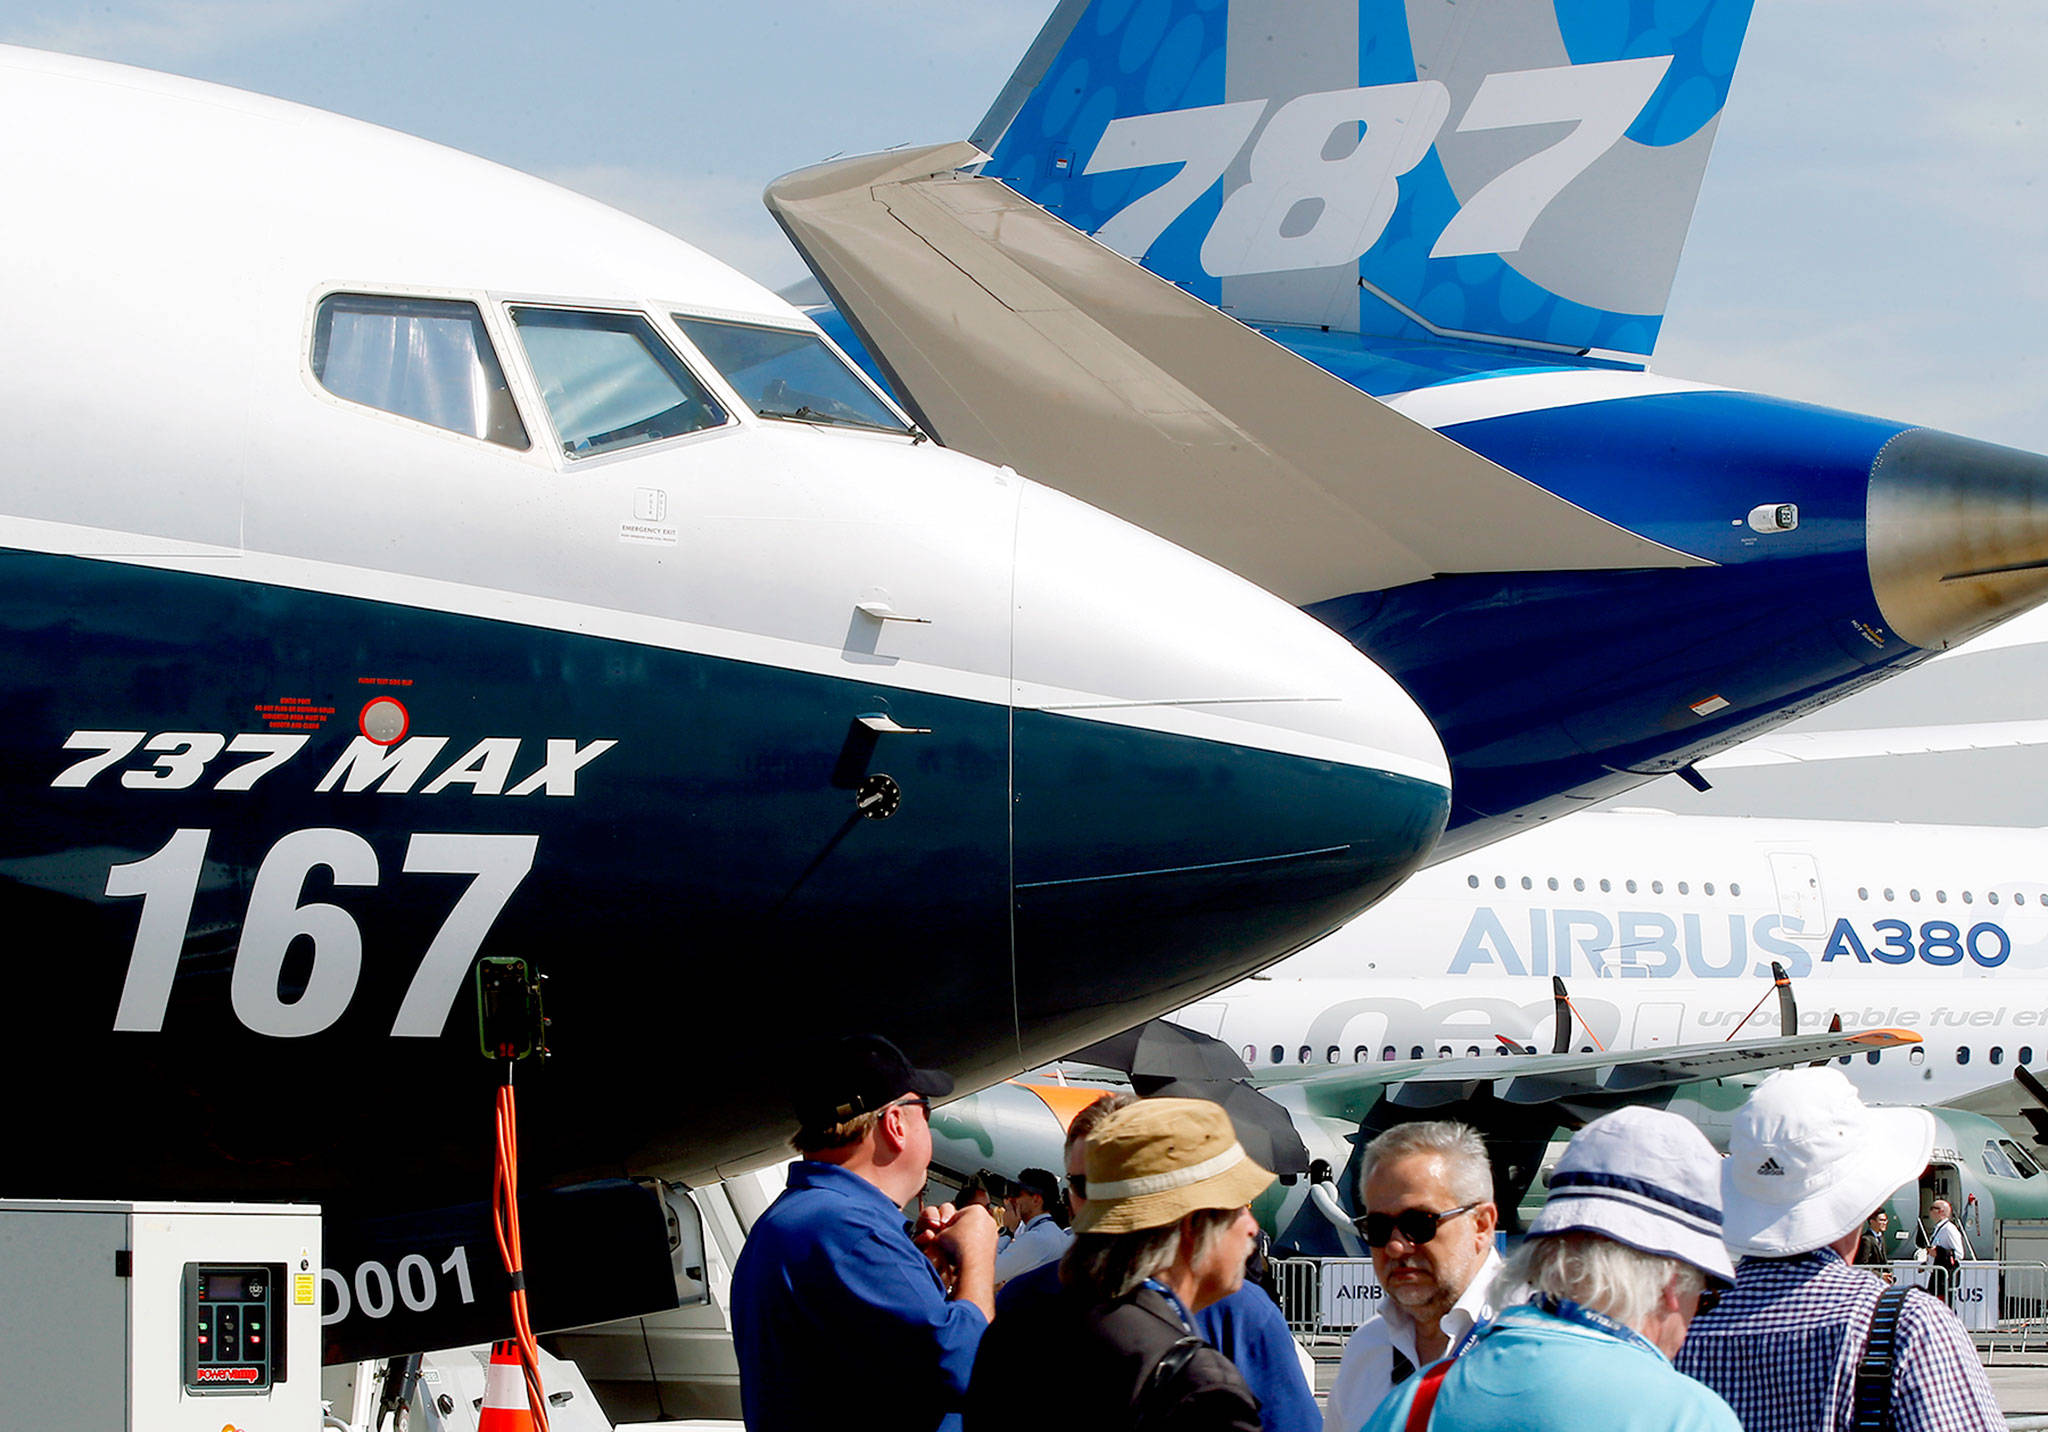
(1300, 1281)
(2005, 1304)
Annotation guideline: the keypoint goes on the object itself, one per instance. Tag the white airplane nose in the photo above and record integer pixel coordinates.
(1205, 780)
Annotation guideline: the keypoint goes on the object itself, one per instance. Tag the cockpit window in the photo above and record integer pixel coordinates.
(609, 380)
(425, 359)
(789, 374)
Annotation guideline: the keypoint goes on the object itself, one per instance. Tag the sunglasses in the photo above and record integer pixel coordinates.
(1416, 1225)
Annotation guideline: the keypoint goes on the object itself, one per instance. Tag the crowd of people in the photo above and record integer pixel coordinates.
(1661, 1286)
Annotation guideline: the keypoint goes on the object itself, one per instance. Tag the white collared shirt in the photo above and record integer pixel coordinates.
(1037, 1241)
(1366, 1374)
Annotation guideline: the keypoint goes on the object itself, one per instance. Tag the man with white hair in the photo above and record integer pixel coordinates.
(1615, 1264)
(1429, 1221)
(1805, 1343)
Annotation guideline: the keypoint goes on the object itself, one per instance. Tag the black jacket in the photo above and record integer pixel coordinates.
(1062, 1363)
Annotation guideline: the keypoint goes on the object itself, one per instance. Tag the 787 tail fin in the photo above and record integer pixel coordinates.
(1506, 170)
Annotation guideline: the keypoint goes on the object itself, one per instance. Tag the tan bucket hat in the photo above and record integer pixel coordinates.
(1152, 1164)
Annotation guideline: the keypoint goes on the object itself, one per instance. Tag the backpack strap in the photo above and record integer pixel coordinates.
(1873, 1404)
(1425, 1396)
(1163, 1373)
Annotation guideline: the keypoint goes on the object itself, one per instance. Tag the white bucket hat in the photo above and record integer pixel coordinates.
(1807, 1162)
(1645, 1178)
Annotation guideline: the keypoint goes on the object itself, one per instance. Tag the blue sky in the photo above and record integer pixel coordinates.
(1870, 235)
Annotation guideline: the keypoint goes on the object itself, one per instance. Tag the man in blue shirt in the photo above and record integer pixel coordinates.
(1035, 1239)
(831, 1291)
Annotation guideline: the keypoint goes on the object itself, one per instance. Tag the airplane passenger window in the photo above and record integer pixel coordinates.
(790, 374)
(1871, 1056)
(1416, 1052)
(1472, 1051)
(1553, 882)
(1962, 1054)
(1472, 881)
(1305, 1055)
(1862, 892)
(1918, 1055)
(1443, 1051)
(1500, 882)
(1605, 887)
(1251, 1054)
(1709, 887)
(1998, 1054)
(1941, 897)
(1279, 1054)
(1683, 888)
(1735, 890)
(1656, 887)
(1992, 897)
(425, 359)
(1631, 886)
(1526, 883)
(1914, 896)
(1361, 1054)
(1578, 885)
(1388, 1053)
(1888, 893)
(609, 380)
(2026, 1054)
(1335, 1054)
(1968, 898)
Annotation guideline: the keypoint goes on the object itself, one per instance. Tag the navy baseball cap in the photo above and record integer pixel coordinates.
(1039, 1181)
(857, 1075)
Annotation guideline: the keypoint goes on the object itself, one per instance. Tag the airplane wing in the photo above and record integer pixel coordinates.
(1589, 1082)
(1017, 338)
(1788, 748)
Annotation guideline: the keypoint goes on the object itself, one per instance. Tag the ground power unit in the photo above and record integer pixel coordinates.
(160, 1317)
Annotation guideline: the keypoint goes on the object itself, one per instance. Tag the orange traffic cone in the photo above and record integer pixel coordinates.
(504, 1408)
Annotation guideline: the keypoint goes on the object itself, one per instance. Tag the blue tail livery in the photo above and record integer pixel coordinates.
(1522, 170)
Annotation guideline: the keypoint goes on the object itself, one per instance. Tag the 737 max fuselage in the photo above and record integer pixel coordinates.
(403, 561)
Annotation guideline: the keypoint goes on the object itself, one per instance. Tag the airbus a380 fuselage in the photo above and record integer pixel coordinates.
(1664, 929)
(403, 561)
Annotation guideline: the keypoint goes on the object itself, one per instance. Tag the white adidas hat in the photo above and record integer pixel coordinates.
(1807, 1162)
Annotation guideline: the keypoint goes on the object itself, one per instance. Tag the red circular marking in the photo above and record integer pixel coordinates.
(383, 705)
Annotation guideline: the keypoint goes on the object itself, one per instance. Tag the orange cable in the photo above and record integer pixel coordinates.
(505, 1221)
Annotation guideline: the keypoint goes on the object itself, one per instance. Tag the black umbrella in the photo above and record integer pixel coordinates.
(1159, 1050)
(1264, 1128)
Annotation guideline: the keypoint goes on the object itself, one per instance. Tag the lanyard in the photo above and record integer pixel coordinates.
(1572, 1312)
(1179, 1309)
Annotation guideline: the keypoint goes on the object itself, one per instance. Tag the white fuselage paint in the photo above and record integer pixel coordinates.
(255, 472)
(1664, 928)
